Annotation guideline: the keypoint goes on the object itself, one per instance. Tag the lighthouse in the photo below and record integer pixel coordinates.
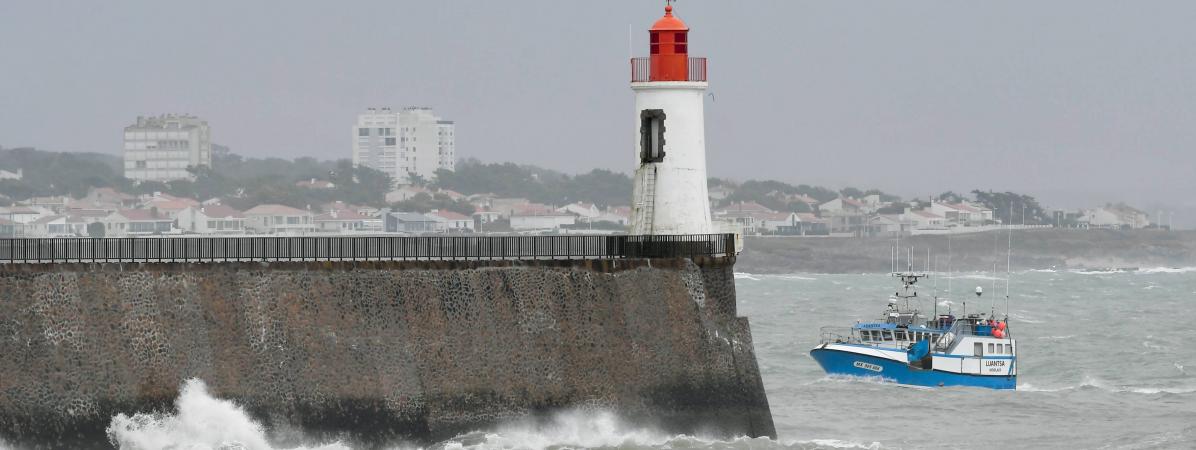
(670, 151)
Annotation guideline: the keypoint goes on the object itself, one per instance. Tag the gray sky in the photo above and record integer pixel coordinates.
(1075, 101)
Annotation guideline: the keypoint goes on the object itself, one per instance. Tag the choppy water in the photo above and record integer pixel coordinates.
(1107, 360)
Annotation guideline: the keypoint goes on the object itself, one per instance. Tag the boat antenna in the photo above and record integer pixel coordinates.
(1009, 256)
(935, 297)
(950, 275)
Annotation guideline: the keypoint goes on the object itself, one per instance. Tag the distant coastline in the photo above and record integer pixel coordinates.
(1032, 249)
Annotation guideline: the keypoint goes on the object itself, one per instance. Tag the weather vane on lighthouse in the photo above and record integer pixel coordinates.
(670, 194)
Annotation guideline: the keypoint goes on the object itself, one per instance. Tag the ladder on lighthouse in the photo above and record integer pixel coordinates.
(647, 200)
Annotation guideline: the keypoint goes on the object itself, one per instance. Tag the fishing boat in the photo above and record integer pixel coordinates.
(909, 348)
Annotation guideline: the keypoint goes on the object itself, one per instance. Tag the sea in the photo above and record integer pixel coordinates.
(1107, 360)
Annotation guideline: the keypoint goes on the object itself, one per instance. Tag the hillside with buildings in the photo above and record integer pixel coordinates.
(404, 177)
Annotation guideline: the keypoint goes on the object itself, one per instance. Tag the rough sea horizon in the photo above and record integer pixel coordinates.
(1106, 360)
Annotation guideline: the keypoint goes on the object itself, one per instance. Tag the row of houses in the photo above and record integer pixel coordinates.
(108, 212)
(852, 217)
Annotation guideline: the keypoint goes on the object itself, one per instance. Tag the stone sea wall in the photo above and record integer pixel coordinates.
(377, 352)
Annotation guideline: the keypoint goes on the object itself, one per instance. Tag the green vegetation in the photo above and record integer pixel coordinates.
(425, 202)
(1009, 207)
(54, 173)
(601, 187)
(241, 182)
(245, 182)
(779, 196)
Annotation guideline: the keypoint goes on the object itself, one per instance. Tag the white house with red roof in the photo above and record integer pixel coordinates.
(1114, 216)
(110, 197)
(452, 221)
(211, 219)
(279, 219)
(746, 216)
(23, 214)
(341, 221)
(137, 222)
(548, 220)
(168, 204)
(584, 210)
(923, 220)
(844, 205)
(57, 226)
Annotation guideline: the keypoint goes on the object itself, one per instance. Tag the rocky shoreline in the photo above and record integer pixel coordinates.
(1031, 249)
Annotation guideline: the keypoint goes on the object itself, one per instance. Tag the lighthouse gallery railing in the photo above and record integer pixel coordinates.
(641, 69)
(362, 248)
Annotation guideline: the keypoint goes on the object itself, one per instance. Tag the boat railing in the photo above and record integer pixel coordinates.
(836, 335)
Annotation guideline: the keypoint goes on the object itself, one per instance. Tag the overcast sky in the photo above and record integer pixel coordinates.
(1075, 101)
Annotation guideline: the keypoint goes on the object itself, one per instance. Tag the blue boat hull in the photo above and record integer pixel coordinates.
(836, 362)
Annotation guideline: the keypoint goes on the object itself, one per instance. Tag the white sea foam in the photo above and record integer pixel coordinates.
(1093, 383)
(977, 276)
(835, 443)
(603, 429)
(202, 422)
(566, 429)
(745, 276)
(1095, 272)
(796, 277)
(1167, 270)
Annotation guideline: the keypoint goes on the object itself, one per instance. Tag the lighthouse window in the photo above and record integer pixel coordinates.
(680, 44)
(652, 135)
(655, 44)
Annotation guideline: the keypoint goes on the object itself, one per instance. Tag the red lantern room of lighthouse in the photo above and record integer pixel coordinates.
(669, 50)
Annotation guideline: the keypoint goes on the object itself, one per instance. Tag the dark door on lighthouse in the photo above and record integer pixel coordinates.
(651, 135)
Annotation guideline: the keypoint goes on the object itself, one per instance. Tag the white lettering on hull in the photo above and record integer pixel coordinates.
(868, 366)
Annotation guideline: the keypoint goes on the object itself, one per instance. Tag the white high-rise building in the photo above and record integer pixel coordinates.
(410, 141)
(162, 148)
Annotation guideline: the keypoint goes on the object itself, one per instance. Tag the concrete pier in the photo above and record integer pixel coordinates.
(379, 351)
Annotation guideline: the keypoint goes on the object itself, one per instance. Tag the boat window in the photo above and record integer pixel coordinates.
(899, 335)
(886, 335)
(990, 348)
(978, 350)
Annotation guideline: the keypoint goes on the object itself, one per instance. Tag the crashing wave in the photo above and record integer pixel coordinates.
(604, 429)
(202, 422)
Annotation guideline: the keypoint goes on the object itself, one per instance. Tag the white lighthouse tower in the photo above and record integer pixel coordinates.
(670, 181)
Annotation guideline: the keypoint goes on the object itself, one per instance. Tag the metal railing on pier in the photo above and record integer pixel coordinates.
(365, 248)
